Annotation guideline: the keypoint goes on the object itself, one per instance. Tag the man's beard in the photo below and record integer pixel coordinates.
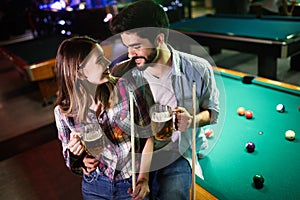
(151, 59)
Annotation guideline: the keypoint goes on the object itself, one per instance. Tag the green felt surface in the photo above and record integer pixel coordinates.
(229, 168)
(277, 30)
(36, 50)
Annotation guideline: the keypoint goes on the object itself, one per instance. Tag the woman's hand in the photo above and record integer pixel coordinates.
(75, 145)
(90, 164)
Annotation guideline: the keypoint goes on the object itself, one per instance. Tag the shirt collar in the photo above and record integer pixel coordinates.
(176, 63)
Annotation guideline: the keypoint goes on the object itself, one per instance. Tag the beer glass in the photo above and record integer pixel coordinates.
(92, 138)
(162, 121)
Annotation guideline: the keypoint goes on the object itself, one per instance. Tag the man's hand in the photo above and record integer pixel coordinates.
(183, 119)
(141, 189)
(90, 164)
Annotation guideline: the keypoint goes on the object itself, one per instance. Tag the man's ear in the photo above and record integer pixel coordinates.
(160, 39)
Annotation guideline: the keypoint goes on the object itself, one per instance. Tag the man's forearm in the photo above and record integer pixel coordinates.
(203, 118)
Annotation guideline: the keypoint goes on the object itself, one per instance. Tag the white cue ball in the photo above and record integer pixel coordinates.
(290, 135)
(280, 108)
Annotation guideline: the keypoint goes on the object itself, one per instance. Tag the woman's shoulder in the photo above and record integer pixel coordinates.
(63, 113)
(57, 109)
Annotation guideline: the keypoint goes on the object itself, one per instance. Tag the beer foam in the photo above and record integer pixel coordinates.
(161, 116)
(92, 136)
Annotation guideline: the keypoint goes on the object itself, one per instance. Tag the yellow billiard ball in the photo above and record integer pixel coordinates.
(241, 111)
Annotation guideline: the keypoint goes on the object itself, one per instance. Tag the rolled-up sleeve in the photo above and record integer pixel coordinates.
(210, 98)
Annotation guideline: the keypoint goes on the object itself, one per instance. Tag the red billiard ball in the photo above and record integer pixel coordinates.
(250, 146)
(209, 132)
(241, 111)
(249, 114)
(258, 181)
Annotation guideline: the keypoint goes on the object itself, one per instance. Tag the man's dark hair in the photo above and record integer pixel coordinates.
(144, 13)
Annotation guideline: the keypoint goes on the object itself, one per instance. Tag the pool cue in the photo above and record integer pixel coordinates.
(194, 142)
(132, 140)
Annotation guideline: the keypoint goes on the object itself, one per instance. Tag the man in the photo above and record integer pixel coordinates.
(275, 7)
(170, 74)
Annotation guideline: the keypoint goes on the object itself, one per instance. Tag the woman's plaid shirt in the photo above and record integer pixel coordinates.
(115, 160)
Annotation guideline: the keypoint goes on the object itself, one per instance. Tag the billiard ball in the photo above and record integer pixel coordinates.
(209, 132)
(290, 135)
(199, 156)
(241, 111)
(280, 108)
(250, 146)
(248, 114)
(258, 181)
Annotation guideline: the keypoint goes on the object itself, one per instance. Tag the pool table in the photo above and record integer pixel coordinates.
(268, 38)
(35, 60)
(228, 168)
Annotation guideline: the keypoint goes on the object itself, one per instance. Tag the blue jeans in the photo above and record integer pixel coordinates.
(96, 186)
(172, 181)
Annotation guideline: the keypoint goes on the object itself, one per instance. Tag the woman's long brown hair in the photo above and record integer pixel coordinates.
(72, 91)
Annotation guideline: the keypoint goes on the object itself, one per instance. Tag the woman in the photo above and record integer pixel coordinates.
(88, 94)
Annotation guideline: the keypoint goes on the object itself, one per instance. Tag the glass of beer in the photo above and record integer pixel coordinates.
(92, 138)
(162, 122)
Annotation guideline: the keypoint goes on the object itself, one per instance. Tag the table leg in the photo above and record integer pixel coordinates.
(295, 62)
(267, 66)
(214, 50)
(48, 88)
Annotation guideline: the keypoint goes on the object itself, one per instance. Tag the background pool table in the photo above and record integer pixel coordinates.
(35, 59)
(269, 38)
(228, 168)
